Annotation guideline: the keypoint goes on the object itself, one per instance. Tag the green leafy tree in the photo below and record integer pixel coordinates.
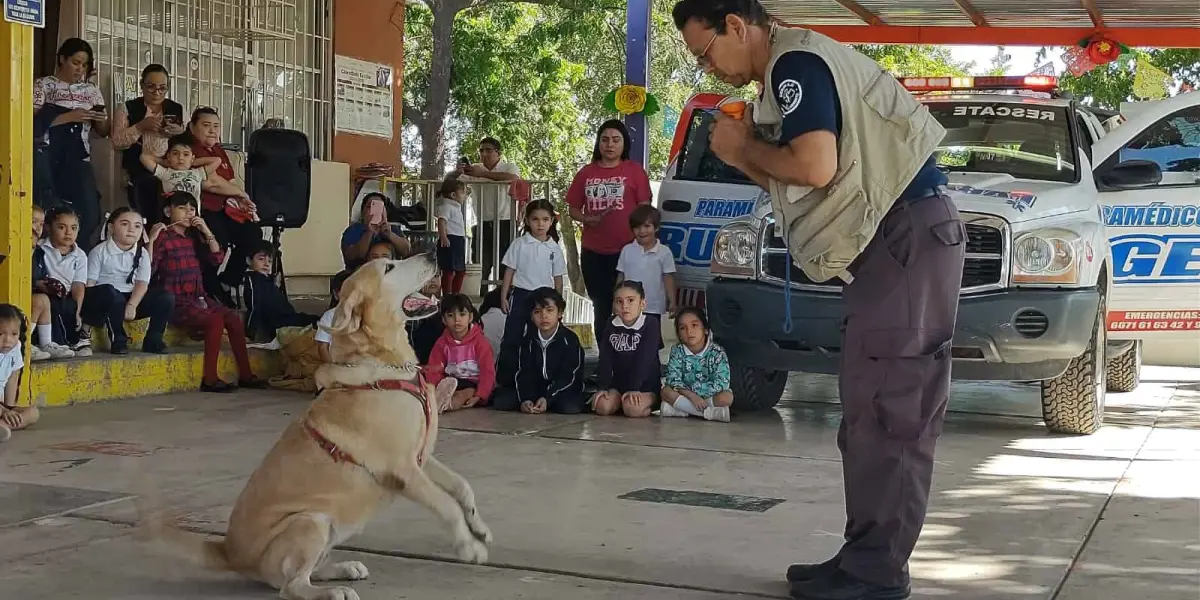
(1107, 86)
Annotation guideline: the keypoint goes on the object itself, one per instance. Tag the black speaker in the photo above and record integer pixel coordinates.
(279, 176)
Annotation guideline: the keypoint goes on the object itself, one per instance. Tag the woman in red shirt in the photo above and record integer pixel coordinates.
(205, 128)
(602, 196)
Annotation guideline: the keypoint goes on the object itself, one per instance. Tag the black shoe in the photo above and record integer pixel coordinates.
(254, 383)
(217, 387)
(805, 572)
(119, 348)
(154, 347)
(840, 585)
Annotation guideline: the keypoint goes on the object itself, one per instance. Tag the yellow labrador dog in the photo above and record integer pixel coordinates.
(367, 437)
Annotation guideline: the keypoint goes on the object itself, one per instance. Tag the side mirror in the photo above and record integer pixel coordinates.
(1132, 174)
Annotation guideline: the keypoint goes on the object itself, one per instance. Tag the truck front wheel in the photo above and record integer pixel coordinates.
(1125, 371)
(754, 388)
(1074, 401)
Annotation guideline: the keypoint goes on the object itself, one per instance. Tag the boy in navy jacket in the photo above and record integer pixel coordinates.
(549, 373)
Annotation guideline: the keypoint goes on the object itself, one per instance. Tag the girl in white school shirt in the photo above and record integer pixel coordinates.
(118, 285)
(534, 261)
(64, 265)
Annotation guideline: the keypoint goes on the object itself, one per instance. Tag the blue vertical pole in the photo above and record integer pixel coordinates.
(637, 71)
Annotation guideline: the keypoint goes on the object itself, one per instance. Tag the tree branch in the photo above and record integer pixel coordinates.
(412, 115)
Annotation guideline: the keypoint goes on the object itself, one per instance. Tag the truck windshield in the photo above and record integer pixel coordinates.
(1021, 139)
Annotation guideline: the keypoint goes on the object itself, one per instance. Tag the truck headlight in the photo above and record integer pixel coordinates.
(734, 251)
(1046, 257)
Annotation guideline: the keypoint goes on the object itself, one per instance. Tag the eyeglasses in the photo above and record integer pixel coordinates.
(162, 89)
(702, 59)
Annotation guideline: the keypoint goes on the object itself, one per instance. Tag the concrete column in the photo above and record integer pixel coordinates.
(637, 71)
(16, 169)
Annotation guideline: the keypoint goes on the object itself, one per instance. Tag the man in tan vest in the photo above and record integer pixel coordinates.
(857, 195)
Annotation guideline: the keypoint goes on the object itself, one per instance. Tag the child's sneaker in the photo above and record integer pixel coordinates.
(83, 347)
(668, 411)
(36, 354)
(717, 413)
(57, 351)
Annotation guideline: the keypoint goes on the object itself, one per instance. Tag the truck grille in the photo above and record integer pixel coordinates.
(984, 268)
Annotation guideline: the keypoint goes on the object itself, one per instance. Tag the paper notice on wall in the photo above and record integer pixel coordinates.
(363, 97)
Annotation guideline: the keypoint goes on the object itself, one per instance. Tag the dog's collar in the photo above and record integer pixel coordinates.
(417, 388)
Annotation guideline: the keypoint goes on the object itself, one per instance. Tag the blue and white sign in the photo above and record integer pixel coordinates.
(718, 208)
(1155, 259)
(25, 12)
(1156, 214)
(1018, 200)
(691, 243)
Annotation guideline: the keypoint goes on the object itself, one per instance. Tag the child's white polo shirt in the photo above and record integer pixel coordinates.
(68, 269)
(108, 264)
(10, 362)
(648, 267)
(535, 263)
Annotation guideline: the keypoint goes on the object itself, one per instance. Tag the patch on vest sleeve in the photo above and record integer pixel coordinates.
(790, 93)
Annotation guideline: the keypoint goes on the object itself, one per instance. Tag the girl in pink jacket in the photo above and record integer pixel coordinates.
(463, 353)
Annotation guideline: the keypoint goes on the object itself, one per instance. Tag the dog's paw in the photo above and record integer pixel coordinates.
(480, 530)
(472, 551)
(335, 593)
(351, 570)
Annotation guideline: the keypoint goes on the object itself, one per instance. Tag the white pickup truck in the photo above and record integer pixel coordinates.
(1082, 242)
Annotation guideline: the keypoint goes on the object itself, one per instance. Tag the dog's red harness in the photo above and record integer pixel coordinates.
(416, 388)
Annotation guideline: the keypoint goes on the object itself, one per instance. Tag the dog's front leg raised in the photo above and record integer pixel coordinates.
(421, 489)
(456, 485)
(290, 559)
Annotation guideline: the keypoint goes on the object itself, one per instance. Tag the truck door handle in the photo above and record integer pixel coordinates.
(677, 206)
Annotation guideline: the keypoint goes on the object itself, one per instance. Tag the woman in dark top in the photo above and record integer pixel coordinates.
(144, 124)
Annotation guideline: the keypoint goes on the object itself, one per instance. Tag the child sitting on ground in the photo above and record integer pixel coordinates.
(697, 381)
(629, 373)
(647, 260)
(267, 307)
(40, 311)
(549, 369)
(181, 171)
(118, 283)
(493, 318)
(322, 337)
(65, 282)
(463, 353)
(423, 334)
(381, 250)
(12, 332)
(177, 269)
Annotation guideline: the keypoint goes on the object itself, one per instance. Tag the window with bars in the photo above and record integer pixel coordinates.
(252, 60)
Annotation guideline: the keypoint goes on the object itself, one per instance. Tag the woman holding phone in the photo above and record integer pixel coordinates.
(144, 124)
(67, 109)
(371, 228)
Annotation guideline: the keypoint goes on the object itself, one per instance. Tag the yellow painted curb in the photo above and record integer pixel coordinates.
(108, 377)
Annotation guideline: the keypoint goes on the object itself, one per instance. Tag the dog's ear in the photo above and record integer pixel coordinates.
(444, 390)
(348, 318)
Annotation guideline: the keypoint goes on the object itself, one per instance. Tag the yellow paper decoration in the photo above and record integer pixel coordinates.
(1149, 81)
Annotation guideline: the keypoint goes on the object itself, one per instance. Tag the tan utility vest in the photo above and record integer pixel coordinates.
(886, 137)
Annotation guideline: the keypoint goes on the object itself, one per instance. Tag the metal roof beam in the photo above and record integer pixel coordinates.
(973, 13)
(867, 16)
(1094, 12)
(1159, 37)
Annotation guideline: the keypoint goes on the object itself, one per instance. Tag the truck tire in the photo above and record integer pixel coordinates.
(1074, 401)
(755, 389)
(1125, 371)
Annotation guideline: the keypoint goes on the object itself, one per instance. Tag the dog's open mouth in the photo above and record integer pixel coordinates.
(418, 307)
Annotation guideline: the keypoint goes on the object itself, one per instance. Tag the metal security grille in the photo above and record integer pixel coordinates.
(252, 60)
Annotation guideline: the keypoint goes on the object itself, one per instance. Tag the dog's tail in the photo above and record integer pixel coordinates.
(155, 526)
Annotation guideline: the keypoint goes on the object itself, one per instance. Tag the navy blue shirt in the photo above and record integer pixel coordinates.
(808, 100)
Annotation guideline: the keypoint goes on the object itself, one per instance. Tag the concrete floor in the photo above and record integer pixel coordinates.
(1016, 514)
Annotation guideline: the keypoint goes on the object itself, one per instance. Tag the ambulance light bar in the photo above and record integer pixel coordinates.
(1042, 83)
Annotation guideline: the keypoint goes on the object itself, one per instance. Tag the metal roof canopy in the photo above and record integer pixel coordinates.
(1155, 23)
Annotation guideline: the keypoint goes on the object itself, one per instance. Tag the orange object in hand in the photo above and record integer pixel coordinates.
(736, 109)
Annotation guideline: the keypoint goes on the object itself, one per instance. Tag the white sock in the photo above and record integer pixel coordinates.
(682, 404)
(44, 334)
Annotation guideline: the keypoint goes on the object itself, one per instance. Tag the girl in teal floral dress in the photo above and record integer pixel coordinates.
(697, 381)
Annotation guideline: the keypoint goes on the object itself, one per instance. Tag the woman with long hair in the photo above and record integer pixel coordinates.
(601, 197)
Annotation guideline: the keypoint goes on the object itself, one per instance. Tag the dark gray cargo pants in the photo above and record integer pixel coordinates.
(895, 381)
